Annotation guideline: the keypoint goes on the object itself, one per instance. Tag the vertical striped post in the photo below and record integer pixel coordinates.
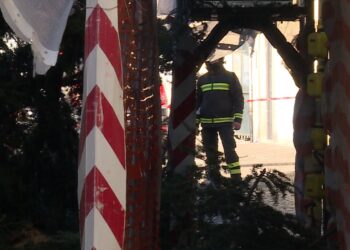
(102, 175)
(183, 114)
(337, 98)
(181, 129)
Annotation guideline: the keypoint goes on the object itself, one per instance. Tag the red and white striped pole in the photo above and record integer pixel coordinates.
(337, 120)
(183, 104)
(102, 175)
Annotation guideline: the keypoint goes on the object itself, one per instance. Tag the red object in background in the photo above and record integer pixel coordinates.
(163, 97)
(165, 106)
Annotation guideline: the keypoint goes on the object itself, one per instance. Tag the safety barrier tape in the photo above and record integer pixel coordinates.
(270, 99)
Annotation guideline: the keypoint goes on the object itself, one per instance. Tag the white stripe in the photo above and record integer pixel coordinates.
(184, 164)
(109, 7)
(106, 79)
(97, 233)
(182, 91)
(183, 130)
(97, 152)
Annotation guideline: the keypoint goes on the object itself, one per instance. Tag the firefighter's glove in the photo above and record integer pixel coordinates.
(236, 125)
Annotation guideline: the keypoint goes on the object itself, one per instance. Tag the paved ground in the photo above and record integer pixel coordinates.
(271, 155)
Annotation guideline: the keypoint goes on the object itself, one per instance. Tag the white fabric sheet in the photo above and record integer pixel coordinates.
(165, 7)
(40, 23)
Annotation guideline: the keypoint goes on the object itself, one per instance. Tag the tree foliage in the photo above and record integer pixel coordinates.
(39, 132)
(236, 216)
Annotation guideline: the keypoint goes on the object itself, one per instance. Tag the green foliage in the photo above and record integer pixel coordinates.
(60, 241)
(21, 236)
(38, 133)
(199, 217)
(16, 96)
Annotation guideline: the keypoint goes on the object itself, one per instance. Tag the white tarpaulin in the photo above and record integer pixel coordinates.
(164, 7)
(40, 23)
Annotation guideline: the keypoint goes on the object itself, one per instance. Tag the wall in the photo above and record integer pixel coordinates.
(268, 88)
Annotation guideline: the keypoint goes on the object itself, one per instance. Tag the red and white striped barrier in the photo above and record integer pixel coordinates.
(102, 175)
(337, 116)
(182, 124)
(182, 115)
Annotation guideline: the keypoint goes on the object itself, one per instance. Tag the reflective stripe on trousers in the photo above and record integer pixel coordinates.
(210, 144)
(234, 168)
(216, 120)
(220, 119)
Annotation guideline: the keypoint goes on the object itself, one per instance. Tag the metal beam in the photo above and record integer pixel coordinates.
(281, 13)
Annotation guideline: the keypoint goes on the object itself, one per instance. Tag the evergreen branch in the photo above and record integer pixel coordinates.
(272, 189)
(254, 186)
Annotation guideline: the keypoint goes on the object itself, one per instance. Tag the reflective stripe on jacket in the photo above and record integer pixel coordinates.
(219, 97)
(215, 86)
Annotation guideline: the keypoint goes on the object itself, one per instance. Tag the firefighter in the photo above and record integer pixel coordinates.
(219, 110)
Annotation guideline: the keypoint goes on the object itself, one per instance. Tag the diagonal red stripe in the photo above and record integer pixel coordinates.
(340, 76)
(328, 12)
(97, 193)
(184, 149)
(184, 109)
(99, 30)
(98, 112)
(341, 31)
(336, 196)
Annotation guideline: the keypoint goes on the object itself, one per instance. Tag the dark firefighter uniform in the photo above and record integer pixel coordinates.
(219, 107)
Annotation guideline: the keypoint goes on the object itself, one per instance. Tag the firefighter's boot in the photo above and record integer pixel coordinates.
(236, 178)
(235, 171)
(214, 176)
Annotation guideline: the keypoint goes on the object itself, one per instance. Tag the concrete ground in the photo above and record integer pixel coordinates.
(271, 155)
